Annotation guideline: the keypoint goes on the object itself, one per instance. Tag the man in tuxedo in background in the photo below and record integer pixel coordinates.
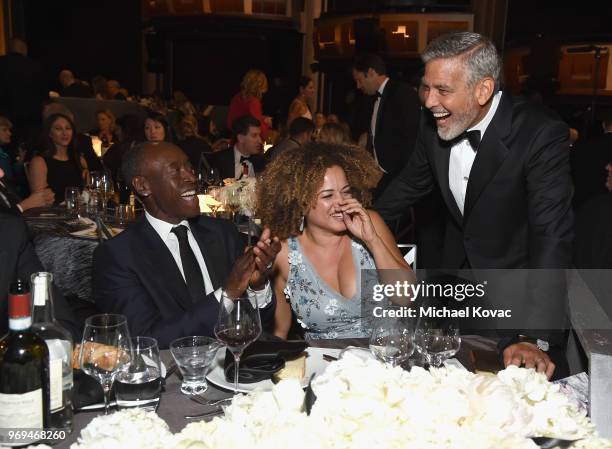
(19, 260)
(245, 159)
(72, 87)
(394, 119)
(502, 167)
(168, 272)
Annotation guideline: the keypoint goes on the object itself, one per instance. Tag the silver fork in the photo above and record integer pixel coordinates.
(200, 400)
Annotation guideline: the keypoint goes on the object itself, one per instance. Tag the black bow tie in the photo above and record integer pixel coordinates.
(244, 159)
(472, 136)
(378, 94)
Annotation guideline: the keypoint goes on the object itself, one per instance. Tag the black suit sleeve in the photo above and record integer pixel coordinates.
(414, 182)
(549, 199)
(19, 260)
(550, 221)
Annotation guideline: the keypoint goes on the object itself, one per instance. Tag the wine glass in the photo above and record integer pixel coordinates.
(105, 350)
(207, 176)
(238, 326)
(392, 339)
(106, 187)
(437, 341)
(214, 192)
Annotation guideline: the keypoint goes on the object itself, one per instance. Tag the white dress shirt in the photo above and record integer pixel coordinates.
(164, 230)
(381, 89)
(238, 165)
(462, 157)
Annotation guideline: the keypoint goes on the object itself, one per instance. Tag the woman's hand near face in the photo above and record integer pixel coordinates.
(358, 221)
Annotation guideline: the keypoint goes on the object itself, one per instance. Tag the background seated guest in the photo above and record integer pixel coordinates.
(157, 128)
(130, 131)
(312, 199)
(114, 90)
(319, 121)
(11, 202)
(82, 142)
(300, 132)
(71, 87)
(334, 133)
(106, 129)
(57, 165)
(166, 272)
(245, 158)
(192, 143)
(18, 260)
(300, 106)
(248, 101)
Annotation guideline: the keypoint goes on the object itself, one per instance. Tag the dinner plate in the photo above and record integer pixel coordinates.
(315, 364)
(100, 405)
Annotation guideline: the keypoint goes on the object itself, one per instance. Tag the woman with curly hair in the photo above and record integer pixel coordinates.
(248, 101)
(313, 199)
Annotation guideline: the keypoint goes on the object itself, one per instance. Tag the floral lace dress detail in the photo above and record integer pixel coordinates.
(323, 312)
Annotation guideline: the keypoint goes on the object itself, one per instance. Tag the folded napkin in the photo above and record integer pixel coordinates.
(262, 358)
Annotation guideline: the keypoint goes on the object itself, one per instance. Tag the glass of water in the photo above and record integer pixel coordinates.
(139, 383)
(193, 356)
(72, 198)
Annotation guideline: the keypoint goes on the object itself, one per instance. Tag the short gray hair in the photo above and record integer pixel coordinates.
(479, 55)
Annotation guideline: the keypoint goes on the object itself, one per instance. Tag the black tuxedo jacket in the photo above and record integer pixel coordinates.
(397, 124)
(517, 210)
(224, 162)
(134, 274)
(18, 260)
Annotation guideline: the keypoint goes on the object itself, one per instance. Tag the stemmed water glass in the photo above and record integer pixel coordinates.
(238, 325)
(105, 350)
(437, 341)
(392, 339)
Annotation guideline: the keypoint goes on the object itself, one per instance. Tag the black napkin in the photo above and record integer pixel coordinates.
(86, 390)
(262, 358)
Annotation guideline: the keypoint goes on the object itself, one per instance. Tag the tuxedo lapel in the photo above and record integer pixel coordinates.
(491, 154)
(162, 265)
(381, 104)
(441, 153)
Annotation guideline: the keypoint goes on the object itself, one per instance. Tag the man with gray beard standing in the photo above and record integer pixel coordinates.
(502, 166)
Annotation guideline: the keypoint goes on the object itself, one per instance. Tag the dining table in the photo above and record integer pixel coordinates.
(174, 405)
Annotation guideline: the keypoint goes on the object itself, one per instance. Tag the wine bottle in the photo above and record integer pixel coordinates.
(59, 344)
(24, 372)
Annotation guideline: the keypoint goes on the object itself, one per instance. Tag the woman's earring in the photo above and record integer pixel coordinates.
(302, 224)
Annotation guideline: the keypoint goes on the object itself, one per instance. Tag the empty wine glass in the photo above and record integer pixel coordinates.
(105, 350)
(214, 192)
(392, 339)
(238, 325)
(437, 341)
(208, 176)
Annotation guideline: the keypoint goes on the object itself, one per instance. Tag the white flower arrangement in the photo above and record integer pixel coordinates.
(362, 403)
(240, 196)
(130, 428)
